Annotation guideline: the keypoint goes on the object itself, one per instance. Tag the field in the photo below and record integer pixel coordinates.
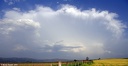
(110, 62)
(102, 62)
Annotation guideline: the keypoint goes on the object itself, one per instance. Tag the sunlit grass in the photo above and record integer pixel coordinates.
(111, 62)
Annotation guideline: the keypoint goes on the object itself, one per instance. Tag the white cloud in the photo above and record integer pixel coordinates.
(17, 9)
(12, 25)
(5, 0)
(19, 48)
(11, 2)
(83, 32)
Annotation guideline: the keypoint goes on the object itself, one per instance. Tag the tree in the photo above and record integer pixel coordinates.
(87, 58)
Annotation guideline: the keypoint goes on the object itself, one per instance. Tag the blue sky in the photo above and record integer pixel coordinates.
(63, 28)
(117, 6)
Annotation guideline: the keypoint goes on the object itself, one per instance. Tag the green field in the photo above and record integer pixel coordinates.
(102, 62)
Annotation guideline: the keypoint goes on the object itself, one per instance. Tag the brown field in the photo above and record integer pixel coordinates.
(36, 64)
(28, 64)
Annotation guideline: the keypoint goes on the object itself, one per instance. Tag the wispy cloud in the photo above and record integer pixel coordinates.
(11, 2)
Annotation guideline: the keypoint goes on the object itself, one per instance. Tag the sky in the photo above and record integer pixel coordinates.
(64, 29)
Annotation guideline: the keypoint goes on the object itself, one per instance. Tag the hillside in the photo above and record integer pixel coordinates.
(28, 60)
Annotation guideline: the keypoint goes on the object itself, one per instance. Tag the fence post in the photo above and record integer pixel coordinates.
(59, 63)
(51, 65)
(66, 63)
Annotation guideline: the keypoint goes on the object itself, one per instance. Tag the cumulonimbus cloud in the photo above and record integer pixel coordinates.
(79, 32)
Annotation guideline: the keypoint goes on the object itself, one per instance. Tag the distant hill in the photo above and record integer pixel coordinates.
(28, 60)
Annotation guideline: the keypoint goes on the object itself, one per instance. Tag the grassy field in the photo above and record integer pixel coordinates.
(110, 62)
(102, 62)
(35, 64)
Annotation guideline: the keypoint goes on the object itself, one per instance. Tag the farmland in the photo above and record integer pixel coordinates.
(101, 62)
(111, 62)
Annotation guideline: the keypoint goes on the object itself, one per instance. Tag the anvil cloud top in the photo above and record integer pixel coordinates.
(69, 29)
